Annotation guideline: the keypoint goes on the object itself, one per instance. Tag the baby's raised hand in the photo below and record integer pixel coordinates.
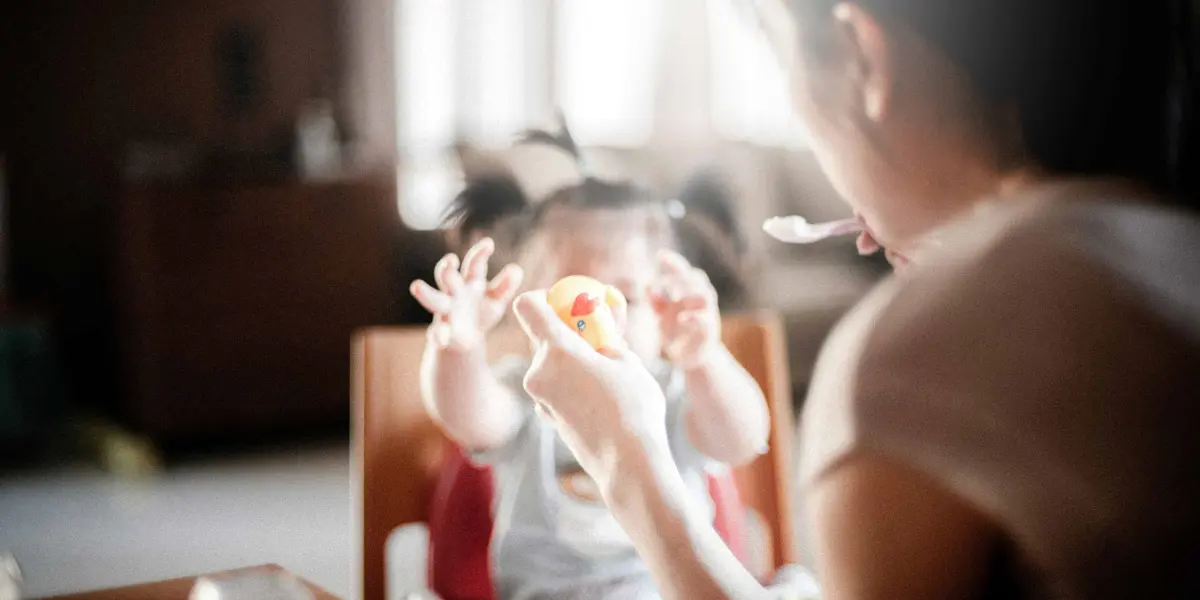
(686, 303)
(465, 305)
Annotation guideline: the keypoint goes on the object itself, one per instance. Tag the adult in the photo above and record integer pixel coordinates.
(1011, 415)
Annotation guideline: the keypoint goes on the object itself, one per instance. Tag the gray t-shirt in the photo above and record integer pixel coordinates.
(553, 536)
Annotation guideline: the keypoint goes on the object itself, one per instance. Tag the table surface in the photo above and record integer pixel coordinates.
(176, 589)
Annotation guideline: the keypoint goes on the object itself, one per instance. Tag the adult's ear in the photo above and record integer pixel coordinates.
(869, 60)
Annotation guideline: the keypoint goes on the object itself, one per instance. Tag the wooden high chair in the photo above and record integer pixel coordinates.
(398, 451)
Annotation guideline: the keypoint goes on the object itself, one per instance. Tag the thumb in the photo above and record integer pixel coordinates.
(540, 322)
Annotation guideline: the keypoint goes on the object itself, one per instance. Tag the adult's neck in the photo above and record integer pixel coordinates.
(1043, 188)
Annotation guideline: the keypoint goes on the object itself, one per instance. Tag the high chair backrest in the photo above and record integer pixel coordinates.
(399, 452)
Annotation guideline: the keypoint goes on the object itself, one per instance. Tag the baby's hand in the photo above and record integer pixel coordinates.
(686, 303)
(466, 306)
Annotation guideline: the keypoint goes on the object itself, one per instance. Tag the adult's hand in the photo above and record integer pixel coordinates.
(605, 406)
(611, 413)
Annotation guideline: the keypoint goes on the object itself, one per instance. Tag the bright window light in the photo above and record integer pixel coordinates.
(751, 91)
(426, 186)
(495, 86)
(426, 42)
(426, 79)
(605, 72)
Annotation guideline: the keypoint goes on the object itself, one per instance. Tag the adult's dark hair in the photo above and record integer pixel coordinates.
(1098, 87)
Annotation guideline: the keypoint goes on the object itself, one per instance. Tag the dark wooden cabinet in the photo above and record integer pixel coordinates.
(236, 306)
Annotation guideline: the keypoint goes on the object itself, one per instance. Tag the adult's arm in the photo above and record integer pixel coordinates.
(686, 557)
(884, 531)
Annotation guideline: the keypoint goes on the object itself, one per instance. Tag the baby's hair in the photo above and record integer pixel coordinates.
(709, 234)
(701, 223)
(483, 205)
(498, 206)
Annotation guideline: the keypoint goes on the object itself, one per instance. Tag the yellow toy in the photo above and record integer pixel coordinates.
(578, 302)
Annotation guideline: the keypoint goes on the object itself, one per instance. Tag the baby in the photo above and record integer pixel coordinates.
(553, 536)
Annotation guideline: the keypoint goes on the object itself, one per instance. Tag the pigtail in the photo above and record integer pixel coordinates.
(483, 207)
(562, 141)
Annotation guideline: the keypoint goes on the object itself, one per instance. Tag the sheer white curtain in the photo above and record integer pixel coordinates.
(607, 60)
(483, 70)
(427, 36)
(751, 89)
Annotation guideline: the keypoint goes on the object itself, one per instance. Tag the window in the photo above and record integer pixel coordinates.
(462, 74)
(751, 91)
(493, 73)
(607, 60)
(425, 75)
(426, 109)
(484, 70)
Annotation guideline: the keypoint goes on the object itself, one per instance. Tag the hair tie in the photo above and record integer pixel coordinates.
(675, 209)
(563, 141)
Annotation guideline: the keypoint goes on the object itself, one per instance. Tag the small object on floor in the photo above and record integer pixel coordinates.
(11, 582)
(797, 230)
(588, 307)
(250, 585)
(117, 450)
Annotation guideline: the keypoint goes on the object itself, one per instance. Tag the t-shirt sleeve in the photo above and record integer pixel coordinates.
(983, 374)
(510, 373)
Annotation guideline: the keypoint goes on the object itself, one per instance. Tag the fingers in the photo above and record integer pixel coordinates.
(475, 263)
(684, 288)
(679, 277)
(659, 300)
(543, 326)
(681, 298)
(506, 283)
(673, 262)
(434, 301)
(447, 276)
(694, 302)
(539, 321)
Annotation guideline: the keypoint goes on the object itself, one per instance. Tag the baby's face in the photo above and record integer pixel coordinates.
(624, 260)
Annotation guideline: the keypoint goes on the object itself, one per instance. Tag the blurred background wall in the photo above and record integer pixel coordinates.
(196, 251)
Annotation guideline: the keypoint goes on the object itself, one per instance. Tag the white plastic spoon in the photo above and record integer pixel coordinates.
(797, 230)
